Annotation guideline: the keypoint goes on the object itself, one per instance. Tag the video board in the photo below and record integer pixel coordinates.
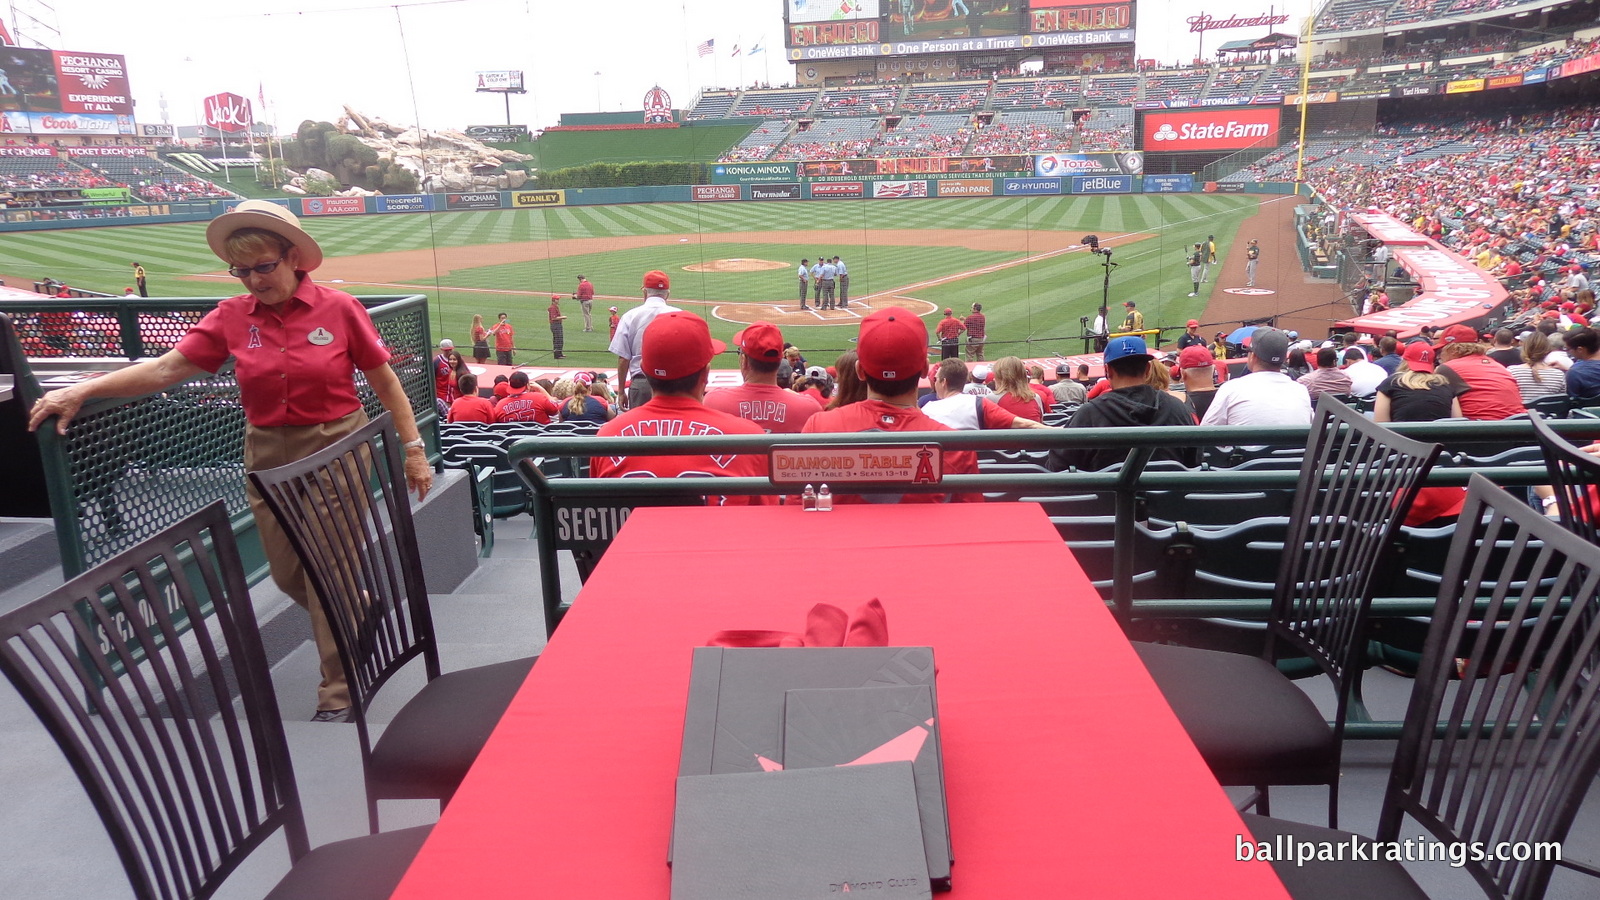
(1051, 16)
(836, 29)
(63, 81)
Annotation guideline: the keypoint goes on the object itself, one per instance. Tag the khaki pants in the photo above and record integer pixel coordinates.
(267, 448)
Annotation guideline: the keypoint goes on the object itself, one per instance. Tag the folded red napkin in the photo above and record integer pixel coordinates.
(826, 626)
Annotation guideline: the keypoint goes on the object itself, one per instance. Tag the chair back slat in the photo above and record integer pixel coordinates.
(1575, 476)
(1357, 482)
(132, 668)
(1502, 737)
(347, 513)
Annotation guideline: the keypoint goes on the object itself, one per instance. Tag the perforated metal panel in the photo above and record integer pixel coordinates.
(128, 468)
(139, 466)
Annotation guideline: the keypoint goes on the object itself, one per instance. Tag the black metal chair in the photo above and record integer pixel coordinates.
(348, 515)
(1575, 475)
(131, 667)
(1251, 723)
(1502, 737)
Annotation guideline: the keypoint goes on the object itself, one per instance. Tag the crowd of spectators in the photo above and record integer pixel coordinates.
(810, 150)
(1007, 139)
(1524, 204)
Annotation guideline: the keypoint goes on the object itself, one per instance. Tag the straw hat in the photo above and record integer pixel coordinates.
(267, 216)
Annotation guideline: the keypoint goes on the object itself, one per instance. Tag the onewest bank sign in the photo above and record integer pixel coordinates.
(1450, 289)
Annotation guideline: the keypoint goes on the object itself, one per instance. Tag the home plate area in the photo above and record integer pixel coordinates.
(786, 315)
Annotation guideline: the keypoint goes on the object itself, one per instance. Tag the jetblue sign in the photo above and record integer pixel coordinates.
(1023, 186)
(1168, 184)
(1102, 184)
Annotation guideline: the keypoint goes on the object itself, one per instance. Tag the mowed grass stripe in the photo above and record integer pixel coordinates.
(1041, 300)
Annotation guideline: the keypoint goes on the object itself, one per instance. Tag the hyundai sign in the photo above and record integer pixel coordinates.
(1022, 186)
(1223, 129)
(1102, 184)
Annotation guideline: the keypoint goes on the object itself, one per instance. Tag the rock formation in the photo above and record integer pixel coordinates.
(442, 160)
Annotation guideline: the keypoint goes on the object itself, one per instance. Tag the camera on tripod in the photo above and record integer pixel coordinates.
(1092, 241)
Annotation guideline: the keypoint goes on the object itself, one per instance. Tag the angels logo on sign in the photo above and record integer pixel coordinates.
(1165, 133)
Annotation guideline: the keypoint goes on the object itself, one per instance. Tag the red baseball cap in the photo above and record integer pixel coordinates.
(1193, 323)
(760, 340)
(1418, 356)
(678, 344)
(893, 345)
(1195, 357)
(1458, 334)
(657, 280)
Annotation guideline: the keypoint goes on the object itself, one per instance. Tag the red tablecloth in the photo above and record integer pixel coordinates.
(1066, 773)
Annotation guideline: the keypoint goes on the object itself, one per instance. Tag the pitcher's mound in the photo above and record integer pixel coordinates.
(736, 265)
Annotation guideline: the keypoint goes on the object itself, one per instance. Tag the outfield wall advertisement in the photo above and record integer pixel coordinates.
(1056, 165)
(753, 173)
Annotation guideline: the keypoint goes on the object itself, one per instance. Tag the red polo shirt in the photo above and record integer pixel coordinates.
(295, 365)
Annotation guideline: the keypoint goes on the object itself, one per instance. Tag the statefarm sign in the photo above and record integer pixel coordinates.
(1450, 290)
(1230, 129)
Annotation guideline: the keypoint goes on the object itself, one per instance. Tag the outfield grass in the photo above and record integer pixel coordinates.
(1036, 304)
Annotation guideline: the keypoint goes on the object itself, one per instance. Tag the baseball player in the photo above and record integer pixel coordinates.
(1252, 256)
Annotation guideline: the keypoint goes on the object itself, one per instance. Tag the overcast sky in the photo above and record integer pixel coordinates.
(416, 61)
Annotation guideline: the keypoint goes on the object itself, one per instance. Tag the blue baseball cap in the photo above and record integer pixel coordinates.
(1124, 347)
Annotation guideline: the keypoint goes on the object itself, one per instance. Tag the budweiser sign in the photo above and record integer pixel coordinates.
(1205, 22)
(228, 113)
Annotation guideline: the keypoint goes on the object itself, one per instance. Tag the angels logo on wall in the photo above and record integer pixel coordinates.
(657, 106)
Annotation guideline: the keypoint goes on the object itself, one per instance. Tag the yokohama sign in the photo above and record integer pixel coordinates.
(1232, 129)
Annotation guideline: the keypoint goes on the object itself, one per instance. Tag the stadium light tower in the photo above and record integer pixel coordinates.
(34, 24)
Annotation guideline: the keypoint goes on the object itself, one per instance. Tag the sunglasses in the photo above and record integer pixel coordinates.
(263, 269)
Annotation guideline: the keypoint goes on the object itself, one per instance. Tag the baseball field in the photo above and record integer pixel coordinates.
(731, 262)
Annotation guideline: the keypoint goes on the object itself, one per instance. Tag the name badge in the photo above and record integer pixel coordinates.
(322, 337)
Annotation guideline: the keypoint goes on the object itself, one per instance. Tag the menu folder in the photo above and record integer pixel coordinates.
(806, 833)
(735, 716)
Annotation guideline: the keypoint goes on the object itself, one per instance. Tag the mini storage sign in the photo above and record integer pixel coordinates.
(753, 173)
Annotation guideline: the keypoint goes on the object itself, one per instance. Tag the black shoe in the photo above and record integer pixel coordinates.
(561, 356)
(332, 715)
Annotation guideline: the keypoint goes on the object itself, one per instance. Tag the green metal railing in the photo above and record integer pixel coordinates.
(128, 467)
(1126, 484)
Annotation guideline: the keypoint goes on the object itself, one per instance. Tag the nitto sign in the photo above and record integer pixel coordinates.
(1222, 130)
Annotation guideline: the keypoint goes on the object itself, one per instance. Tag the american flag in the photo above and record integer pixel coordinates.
(707, 46)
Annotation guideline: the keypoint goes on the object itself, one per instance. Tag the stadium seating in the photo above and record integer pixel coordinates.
(1111, 90)
(1180, 85)
(759, 143)
(1037, 93)
(939, 96)
(928, 134)
(712, 106)
(1236, 82)
(774, 103)
(859, 101)
(1025, 132)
